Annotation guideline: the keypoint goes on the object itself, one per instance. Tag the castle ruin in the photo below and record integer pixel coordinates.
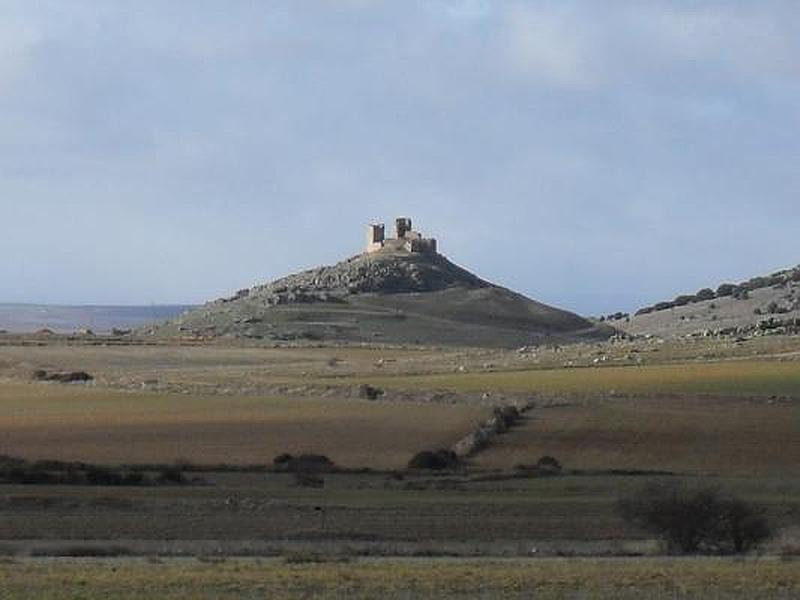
(405, 238)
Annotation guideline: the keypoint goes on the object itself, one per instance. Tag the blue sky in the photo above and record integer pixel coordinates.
(593, 155)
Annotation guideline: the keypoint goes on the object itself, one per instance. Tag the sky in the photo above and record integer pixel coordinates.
(597, 156)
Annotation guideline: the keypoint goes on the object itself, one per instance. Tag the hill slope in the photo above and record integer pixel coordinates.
(391, 297)
(759, 306)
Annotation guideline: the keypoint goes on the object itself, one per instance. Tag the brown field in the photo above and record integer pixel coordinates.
(720, 436)
(108, 426)
(684, 435)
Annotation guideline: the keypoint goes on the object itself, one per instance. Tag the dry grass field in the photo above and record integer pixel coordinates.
(673, 368)
(546, 579)
(39, 421)
(684, 434)
(731, 423)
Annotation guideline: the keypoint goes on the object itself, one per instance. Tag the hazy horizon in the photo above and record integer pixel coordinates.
(593, 156)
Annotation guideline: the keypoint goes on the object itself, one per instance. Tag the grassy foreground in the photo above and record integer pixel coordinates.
(414, 578)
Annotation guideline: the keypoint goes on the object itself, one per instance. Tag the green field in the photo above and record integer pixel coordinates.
(390, 579)
(757, 378)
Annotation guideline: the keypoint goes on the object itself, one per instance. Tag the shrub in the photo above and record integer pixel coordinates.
(172, 475)
(300, 557)
(505, 417)
(67, 377)
(726, 289)
(305, 463)
(548, 465)
(369, 392)
(696, 520)
(434, 460)
(282, 460)
(55, 472)
(82, 551)
(743, 525)
(617, 316)
(134, 478)
(705, 294)
(102, 476)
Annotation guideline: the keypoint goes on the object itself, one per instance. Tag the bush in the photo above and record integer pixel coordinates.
(705, 294)
(700, 520)
(57, 472)
(505, 417)
(434, 460)
(305, 463)
(67, 377)
(171, 475)
(281, 461)
(726, 289)
(548, 465)
(102, 476)
(369, 392)
(743, 525)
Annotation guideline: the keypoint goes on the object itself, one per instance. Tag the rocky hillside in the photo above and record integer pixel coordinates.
(384, 273)
(391, 297)
(759, 306)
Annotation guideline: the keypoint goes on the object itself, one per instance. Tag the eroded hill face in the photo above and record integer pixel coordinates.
(385, 297)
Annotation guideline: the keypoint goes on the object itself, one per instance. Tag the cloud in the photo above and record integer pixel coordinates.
(468, 10)
(17, 41)
(550, 43)
(620, 152)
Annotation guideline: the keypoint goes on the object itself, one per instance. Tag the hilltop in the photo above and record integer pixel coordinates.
(764, 305)
(399, 291)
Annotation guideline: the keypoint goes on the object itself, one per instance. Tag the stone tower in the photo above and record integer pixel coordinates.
(402, 226)
(376, 233)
